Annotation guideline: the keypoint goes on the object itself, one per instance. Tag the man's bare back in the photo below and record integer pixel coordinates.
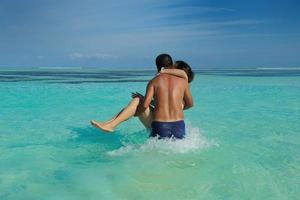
(168, 98)
(169, 93)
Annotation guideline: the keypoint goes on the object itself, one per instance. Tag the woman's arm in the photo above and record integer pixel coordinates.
(175, 72)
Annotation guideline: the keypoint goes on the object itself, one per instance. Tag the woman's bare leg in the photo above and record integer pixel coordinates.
(112, 118)
(125, 114)
(146, 117)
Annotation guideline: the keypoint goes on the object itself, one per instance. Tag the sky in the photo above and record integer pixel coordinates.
(131, 33)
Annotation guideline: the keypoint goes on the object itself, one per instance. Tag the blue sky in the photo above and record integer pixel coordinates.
(205, 33)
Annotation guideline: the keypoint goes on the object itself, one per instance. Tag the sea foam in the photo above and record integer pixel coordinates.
(194, 141)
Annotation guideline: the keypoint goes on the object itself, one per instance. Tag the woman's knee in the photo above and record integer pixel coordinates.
(136, 100)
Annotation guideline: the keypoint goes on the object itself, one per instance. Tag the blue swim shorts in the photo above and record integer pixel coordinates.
(168, 129)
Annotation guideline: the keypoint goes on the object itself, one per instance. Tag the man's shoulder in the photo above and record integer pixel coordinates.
(154, 79)
(158, 77)
(162, 77)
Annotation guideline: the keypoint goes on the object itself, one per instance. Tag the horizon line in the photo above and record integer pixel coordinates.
(146, 67)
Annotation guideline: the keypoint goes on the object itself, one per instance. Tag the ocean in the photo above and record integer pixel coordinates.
(243, 137)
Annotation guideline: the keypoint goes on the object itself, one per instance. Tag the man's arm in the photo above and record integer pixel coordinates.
(139, 95)
(148, 97)
(188, 99)
(175, 72)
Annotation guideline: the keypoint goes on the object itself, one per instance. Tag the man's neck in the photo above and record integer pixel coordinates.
(169, 67)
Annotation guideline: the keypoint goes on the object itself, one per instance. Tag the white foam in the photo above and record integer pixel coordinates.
(194, 141)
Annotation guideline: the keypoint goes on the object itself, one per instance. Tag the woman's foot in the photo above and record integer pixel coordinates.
(103, 126)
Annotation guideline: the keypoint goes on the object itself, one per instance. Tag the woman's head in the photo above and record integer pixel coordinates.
(184, 66)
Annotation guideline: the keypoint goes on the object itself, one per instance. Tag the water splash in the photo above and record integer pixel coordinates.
(194, 141)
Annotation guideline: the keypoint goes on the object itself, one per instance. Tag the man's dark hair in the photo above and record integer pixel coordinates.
(163, 60)
(184, 66)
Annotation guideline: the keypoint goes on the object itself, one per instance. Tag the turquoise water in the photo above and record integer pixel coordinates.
(243, 137)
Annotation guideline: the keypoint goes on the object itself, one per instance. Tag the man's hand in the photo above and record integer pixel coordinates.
(136, 94)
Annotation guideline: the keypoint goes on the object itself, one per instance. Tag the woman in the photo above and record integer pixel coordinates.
(182, 69)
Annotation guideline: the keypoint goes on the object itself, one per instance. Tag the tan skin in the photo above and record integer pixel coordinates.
(138, 105)
(168, 92)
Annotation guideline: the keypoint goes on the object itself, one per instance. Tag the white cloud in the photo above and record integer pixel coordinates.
(198, 9)
(94, 56)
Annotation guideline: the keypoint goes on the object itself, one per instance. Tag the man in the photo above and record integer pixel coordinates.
(169, 93)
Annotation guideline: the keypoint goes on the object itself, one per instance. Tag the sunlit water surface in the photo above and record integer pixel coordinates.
(243, 137)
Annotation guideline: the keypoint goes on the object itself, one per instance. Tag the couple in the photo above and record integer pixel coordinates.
(161, 109)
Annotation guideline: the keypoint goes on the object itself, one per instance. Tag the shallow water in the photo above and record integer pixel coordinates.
(243, 137)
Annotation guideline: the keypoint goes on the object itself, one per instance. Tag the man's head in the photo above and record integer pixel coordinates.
(184, 66)
(163, 60)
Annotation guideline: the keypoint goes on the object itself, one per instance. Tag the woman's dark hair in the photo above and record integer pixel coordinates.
(188, 70)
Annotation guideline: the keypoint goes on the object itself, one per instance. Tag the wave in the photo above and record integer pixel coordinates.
(57, 68)
(278, 68)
